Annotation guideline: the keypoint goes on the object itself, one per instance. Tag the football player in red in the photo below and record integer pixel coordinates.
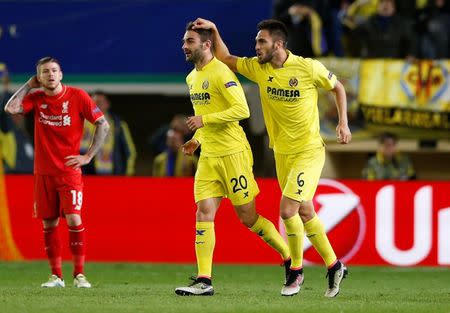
(59, 114)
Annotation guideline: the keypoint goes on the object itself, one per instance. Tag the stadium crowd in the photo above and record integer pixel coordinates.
(404, 29)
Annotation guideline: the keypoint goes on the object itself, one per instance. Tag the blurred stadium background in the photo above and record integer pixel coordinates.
(132, 51)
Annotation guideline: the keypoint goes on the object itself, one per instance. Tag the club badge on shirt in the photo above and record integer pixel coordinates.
(65, 107)
(293, 82)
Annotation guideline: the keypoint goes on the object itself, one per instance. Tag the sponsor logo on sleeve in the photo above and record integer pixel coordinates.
(230, 84)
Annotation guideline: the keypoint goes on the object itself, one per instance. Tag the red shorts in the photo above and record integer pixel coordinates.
(56, 196)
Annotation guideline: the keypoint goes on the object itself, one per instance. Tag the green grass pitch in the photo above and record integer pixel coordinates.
(129, 287)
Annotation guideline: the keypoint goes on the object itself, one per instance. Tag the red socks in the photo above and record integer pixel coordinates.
(77, 247)
(53, 250)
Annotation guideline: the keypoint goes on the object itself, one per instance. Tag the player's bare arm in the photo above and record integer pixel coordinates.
(190, 146)
(14, 105)
(195, 122)
(101, 130)
(343, 133)
(220, 49)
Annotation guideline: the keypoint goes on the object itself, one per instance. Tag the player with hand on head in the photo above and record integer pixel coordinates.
(288, 89)
(59, 114)
(225, 164)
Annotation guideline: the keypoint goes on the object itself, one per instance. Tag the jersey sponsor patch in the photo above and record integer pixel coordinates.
(330, 74)
(230, 84)
(96, 110)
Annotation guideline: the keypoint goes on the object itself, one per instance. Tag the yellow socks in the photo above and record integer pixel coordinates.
(316, 234)
(295, 233)
(267, 231)
(205, 240)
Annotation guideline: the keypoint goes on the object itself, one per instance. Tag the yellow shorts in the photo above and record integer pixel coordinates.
(299, 174)
(229, 176)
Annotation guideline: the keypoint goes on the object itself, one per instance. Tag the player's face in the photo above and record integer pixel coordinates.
(49, 75)
(192, 47)
(265, 46)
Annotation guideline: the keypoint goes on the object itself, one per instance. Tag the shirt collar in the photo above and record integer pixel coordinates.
(289, 60)
(209, 64)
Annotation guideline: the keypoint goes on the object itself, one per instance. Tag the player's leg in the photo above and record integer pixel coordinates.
(46, 207)
(289, 206)
(71, 198)
(53, 251)
(263, 228)
(77, 245)
(208, 192)
(312, 165)
(315, 232)
(205, 240)
(242, 189)
(294, 232)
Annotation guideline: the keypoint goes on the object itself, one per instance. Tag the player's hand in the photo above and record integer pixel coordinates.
(77, 161)
(343, 134)
(190, 146)
(204, 24)
(33, 82)
(195, 122)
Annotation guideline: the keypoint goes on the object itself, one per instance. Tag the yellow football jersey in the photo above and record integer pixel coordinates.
(218, 97)
(289, 100)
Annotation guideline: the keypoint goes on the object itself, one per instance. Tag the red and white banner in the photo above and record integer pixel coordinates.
(153, 220)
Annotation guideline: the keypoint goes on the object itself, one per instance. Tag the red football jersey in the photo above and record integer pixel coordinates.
(58, 127)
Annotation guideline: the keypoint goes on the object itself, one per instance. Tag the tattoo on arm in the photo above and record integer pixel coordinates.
(14, 105)
(101, 130)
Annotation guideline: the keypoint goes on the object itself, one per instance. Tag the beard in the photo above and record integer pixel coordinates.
(268, 56)
(196, 56)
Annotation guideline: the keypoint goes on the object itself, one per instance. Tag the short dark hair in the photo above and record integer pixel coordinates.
(99, 92)
(388, 135)
(45, 60)
(205, 34)
(276, 29)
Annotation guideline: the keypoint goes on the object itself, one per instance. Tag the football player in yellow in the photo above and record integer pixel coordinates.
(288, 88)
(225, 166)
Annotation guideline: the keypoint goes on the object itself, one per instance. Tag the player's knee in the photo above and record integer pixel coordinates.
(288, 208)
(247, 215)
(73, 219)
(306, 211)
(306, 215)
(248, 221)
(50, 223)
(204, 215)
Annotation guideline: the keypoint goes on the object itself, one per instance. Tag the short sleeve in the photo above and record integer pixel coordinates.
(89, 109)
(322, 77)
(248, 67)
(28, 102)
